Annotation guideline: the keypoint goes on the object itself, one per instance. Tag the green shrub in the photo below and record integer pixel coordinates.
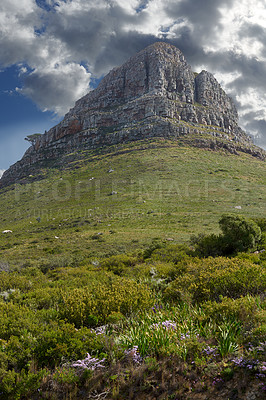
(118, 263)
(244, 309)
(42, 298)
(14, 281)
(256, 335)
(261, 222)
(262, 242)
(171, 253)
(208, 246)
(105, 295)
(210, 278)
(14, 385)
(15, 319)
(239, 233)
(61, 342)
(115, 317)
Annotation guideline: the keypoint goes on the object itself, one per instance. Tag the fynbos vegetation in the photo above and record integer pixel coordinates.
(163, 322)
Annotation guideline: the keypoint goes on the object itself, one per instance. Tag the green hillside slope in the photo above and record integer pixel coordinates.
(114, 200)
(92, 306)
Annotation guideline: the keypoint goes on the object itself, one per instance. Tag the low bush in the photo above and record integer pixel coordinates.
(90, 305)
(171, 253)
(239, 234)
(244, 309)
(118, 263)
(211, 278)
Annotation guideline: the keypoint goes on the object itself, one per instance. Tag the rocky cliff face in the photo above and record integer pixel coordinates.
(154, 94)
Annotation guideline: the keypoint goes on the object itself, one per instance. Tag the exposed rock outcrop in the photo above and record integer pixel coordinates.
(154, 94)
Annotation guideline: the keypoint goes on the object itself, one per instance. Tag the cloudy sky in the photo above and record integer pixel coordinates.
(53, 52)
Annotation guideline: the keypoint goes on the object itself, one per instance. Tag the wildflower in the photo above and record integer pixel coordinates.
(238, 361)
(136, 358)
(217, 380)
(156, 308)
(262, 367)
(89, 363)
(165, 324)
(184, 336)
(100, 330)
(210, 351)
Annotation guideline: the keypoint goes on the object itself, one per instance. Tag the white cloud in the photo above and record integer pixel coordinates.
(57, 87)
(1, 172)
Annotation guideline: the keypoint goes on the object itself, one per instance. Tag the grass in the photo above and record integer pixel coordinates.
(78, 332)
(101, 298)
(158, 189)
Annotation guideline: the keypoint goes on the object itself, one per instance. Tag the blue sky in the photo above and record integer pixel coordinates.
(20, 117)
(54, 52)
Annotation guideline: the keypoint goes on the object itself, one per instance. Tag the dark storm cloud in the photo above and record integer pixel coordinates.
(94, 35)
(257, 127)
(252, 70)
(204, 15)
(121, 47)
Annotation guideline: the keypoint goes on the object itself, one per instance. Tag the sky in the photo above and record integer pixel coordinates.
(54, 52)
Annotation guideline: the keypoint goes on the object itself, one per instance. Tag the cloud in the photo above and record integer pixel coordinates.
(57, 88)
(1, 172)
(62, 46)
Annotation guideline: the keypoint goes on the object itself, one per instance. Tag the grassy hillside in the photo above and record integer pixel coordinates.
(121, 198)
(101, 298)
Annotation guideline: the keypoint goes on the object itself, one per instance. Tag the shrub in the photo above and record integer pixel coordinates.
(15, 319)
(208, 246)
(42, 298)
(244, 309)
(119, 263)
(211, 278)
(171, 253)
(14, 385)
(239, 233)
(61, 342)
(14, 281)
(262, 242)
(261, 222)
(4, 266)
(107, 294)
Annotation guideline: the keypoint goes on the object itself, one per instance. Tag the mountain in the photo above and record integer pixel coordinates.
(106, 287)
(154, 94)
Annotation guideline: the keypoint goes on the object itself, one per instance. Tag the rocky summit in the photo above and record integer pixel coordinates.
(154, 94)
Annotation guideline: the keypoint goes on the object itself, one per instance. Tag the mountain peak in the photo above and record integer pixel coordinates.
(153, 94)
(146, 72)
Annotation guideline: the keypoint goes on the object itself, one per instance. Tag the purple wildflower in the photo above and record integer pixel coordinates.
(210, 351)
(136, 357)
(89, 363)
(184, 336)
(156, 308)
(239, 361)
(165, 324)
(217, 380)
(262, 367)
